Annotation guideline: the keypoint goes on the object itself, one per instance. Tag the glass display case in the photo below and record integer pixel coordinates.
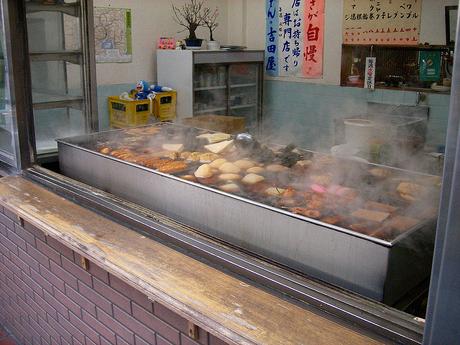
(222, 83)
(61, 63)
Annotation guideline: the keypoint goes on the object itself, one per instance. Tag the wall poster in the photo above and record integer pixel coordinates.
(112, 31)
(391, 22)
(294, 38)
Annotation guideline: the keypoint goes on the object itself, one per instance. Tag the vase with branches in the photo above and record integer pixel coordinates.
(190, 16)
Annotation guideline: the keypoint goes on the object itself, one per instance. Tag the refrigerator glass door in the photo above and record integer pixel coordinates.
(244, 92)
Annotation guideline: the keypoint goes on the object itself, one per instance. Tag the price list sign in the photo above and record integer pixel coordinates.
(294, 38)
(382, 22)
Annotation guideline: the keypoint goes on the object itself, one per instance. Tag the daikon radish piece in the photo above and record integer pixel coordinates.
(217, 163)
(220, 147)
(255, 170)
(230, 188)
(229, 168)
(229, 177)
(173, 147)
(204, 171)
(244, 164)
(213, 138)
(252, 179)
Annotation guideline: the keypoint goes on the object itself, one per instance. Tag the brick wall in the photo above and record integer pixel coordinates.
(46, 297)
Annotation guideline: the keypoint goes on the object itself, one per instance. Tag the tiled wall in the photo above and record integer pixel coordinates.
(47, 298)
(303, 113)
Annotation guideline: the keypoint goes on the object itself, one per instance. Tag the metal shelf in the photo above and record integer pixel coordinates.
(242, 85)
(210, 88)
(42, 101)
(74, 56)
(72, 9)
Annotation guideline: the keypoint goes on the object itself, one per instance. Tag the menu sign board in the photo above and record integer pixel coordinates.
(390, 22)
(294, 38)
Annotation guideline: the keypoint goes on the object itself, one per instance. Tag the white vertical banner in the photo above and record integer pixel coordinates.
(291, 37)
(369, 78)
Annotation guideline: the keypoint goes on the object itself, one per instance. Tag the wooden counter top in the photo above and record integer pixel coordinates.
(219, 303)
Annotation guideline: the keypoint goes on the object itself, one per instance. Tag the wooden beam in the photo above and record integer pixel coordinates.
(223, 305)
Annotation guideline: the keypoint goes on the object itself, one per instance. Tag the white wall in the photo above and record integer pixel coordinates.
(432, 31)
(242, 22)
(151, 20)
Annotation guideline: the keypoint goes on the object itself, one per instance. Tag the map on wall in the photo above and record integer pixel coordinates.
(112, 31)
(392, 22)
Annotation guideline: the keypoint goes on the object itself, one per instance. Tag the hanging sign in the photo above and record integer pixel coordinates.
(392, 22)
(294, 38)
(369, 79)
(430, 65)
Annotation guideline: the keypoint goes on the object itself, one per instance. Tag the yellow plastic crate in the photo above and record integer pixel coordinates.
(164, 106)
(125, 113)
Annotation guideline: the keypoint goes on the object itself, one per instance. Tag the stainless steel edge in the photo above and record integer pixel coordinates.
(352, 262)
(378, 318)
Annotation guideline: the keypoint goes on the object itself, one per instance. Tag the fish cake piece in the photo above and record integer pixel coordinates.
(378, 206)
(173, 167)
(306, 212)
(244, 164)
(369, 215)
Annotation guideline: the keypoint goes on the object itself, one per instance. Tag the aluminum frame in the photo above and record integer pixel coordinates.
(443, 314)
(14, 16)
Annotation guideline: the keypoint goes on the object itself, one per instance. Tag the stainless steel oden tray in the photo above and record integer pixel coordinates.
(379, 269)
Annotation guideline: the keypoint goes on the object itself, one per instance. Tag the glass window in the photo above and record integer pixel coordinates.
(8, 143)
(333, 171)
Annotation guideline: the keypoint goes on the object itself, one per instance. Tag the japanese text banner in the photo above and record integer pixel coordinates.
(392, 22)
(294, 38)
